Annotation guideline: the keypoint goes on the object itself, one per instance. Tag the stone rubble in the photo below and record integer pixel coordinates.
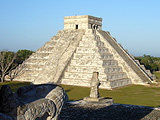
(113, 112)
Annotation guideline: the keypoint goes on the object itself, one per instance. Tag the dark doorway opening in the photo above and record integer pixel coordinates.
(76, 26)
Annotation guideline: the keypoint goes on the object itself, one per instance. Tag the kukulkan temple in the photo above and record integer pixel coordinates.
(81, 48)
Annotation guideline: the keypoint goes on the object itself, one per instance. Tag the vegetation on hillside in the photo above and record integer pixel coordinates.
(10, 60)
(151, 63)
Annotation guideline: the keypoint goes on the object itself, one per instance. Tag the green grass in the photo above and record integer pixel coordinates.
(132, 94)
(14, 85)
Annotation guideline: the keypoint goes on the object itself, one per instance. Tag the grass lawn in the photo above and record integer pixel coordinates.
(132, 94)
(14, 85)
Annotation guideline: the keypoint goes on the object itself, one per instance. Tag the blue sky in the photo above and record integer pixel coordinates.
(28, 24)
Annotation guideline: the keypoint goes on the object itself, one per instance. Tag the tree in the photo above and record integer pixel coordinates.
(23, 55)
(150, 62)
(154, 67)
(6, 63)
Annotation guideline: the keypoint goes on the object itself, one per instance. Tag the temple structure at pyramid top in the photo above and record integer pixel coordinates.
(76, 52)
(82, 22)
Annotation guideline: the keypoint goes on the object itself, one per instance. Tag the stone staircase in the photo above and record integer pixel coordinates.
(76, 52)
(31, 67)
(91, 56)
(60, 56)
(153, 76)
(138, 75)
(72, 56)
(115, 75)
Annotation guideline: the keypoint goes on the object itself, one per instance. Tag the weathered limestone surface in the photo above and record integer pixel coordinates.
(128, 64)
(60, 58)
(32, 102)
(94, 93)
(74, 54)
(92, 56)
(94, 97)
(82, 22)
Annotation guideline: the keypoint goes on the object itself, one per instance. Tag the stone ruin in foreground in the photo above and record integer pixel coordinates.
(71, 57)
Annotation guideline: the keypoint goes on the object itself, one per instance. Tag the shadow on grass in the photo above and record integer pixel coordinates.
(15, 85)
(68, 90)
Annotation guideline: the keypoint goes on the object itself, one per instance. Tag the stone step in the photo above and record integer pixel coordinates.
(86, 50)
(60, 33)
(105, 85)
(86, 63)
(87, 44)
(137, 62)
(116, 76)
(86, 76)
(30, 74)
(100, 44)
(106, 56)
(76, 82)
(93, 56)
(105, 63)
(91, 43)
(32, 69)
(113, 69)
(69, 36)
(33, 66)
(45, 50)
(88, 37)
(85, 69)
(119, 83)
(143, 67)
(110, 63)
(87, 56)
(50, 44)
(103, 50)
(97, 37)
(40, 55)
(54, 38)
(26, 78)
(86, 83)
(89, 49)
(91, 69)
(149, 72)
(36, 61)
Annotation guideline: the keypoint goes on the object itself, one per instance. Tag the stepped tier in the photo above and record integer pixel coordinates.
(72, 56)
(92, 56)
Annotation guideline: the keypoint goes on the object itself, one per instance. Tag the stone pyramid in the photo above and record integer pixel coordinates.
(76, 52)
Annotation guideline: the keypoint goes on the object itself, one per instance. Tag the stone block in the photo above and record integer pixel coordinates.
(32, 102)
